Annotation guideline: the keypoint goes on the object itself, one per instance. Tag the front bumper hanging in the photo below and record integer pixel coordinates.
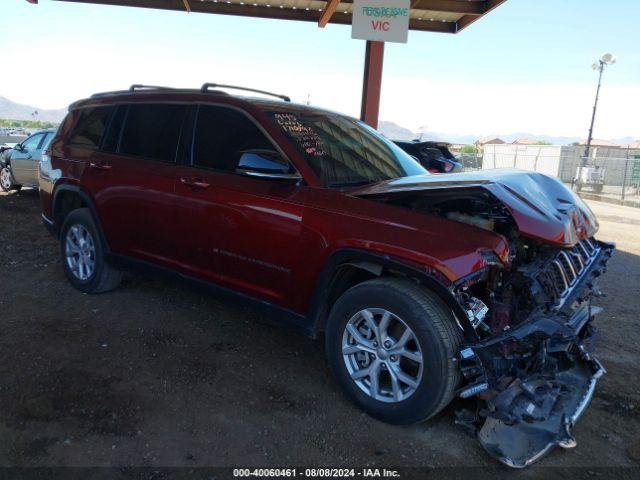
(527, 411)
(535, 415)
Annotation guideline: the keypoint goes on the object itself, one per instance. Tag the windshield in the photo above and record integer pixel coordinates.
(344, 152)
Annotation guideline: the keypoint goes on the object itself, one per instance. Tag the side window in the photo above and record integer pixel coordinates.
(31, 143)
(90, 126)
(112, 136)
(47, 140)
(152, 131)
(222, 135)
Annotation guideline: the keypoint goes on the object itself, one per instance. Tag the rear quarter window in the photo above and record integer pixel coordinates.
(90, 126)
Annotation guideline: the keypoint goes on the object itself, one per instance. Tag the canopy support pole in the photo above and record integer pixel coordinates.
(372, 83)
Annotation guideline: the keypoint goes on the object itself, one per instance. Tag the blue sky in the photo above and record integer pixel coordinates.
(524, 67)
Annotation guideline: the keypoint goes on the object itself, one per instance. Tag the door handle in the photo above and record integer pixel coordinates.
(100, 166)
(194, 183)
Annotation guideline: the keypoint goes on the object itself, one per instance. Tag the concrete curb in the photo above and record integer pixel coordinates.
(613, 201)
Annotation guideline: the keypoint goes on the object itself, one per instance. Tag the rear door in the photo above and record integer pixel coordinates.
(36, 158)
(23, 160)
(239, 231)
(131, 178)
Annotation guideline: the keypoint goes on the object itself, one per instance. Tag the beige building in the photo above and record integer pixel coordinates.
(600, 143)
(481, 142)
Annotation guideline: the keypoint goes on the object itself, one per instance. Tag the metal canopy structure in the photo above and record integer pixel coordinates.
(442, 16)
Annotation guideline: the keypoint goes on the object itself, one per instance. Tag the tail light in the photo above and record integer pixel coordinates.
(44, 166)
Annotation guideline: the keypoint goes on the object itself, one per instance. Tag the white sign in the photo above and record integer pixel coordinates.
(381, 20)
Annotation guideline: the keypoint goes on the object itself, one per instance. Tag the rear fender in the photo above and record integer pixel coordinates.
(86, 201)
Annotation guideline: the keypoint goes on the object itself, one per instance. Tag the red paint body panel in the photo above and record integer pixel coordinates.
(271, 239)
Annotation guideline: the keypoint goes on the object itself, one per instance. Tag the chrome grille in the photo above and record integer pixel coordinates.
(566, 269)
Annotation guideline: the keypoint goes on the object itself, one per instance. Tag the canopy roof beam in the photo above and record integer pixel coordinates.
(467, 20)
(464, 7)
(329, 10)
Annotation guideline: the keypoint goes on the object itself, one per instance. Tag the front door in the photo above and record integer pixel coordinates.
(239, 231)
(24, 161)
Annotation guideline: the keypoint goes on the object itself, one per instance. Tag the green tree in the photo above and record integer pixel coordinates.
(31, 124)
(468, 149)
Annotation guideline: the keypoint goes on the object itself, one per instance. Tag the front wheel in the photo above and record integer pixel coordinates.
(391, 345)
(83, 254)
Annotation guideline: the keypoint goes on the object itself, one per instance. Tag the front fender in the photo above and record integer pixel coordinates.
(377, 264)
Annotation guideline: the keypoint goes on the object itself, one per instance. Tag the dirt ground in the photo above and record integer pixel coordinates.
(158, 373)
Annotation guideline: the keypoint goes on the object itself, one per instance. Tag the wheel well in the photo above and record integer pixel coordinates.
(346, 277)
(65, 202)
(350, 274)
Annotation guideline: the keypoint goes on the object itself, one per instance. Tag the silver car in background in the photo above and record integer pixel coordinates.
(19, 165)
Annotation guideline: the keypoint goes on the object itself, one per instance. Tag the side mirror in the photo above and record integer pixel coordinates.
(19, 147)
(267, 164)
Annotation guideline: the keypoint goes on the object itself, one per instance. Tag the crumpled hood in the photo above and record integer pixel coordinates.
(542, 206)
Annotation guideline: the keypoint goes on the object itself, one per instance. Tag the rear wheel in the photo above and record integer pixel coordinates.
(6, 179)
(391, 346)
(83, 255)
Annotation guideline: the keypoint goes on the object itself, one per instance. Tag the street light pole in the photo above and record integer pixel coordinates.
(606, 59)
(585, 157)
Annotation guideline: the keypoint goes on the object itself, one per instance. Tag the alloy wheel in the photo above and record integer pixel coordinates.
(382, 355)
(5, 178)
(80, 252)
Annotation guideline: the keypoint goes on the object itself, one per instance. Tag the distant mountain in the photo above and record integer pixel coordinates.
(17, 111)
(397, 132)
(553, 140)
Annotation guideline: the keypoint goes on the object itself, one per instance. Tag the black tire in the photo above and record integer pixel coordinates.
(104, 277)
(436, 331)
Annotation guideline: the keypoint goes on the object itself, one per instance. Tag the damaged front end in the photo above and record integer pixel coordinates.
(532, 366)
(527, 312)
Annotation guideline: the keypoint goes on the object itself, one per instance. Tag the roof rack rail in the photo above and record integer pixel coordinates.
(205, 88)
(139, 86)
(132, 88)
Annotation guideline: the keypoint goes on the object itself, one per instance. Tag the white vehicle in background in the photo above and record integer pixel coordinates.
(6, 146)
(591, 176)
(19, 164)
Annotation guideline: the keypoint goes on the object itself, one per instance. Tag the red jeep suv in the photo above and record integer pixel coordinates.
(424, 286)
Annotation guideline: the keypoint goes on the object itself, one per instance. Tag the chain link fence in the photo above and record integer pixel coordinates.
(470, 161)
(611, 174)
